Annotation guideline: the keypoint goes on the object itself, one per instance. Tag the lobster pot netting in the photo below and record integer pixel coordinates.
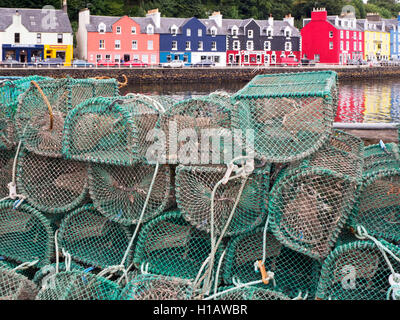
(110, 130)
(188, 126)
(195, 184)
(378, 204)
(9, 93)
(156, 287)
(119, 192)
(170, 246)
(249, 293)
(291, 114)
(93, 239)
(25, 234)
(52, 185)
(79, 285)
(44, 106)
(310, 203)
(356, 271)
(6, 165)
(374, 153)
(44, 274)
(294, 272)
(14, 286)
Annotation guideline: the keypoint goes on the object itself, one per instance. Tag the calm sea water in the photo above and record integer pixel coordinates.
(372, 101)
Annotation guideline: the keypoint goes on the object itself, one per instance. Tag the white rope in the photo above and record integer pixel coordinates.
(26, 265)
(68, 260)
(57, 252)
(243, 285)
(157, 104)
(218, 270)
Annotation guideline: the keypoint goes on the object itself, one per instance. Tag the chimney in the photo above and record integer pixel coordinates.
(319, 14)
(289, 19)
(156, 16)
(64, 6)
(84, 18)
(271, 20)
(217, 17)
(372, 16)
(17, 18)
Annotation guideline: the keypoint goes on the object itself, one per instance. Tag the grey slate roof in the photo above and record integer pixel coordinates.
(32, 19)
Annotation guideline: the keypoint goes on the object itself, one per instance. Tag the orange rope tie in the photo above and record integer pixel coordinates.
(47, 102)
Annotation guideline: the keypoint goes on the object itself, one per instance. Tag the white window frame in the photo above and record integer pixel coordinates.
(270, 32)
(117, 44)
(236, 42)
(102, 41)
(188, 32)
(213, 31)
(200, 46)
(250, 44)
(174, 30)
(250, 34)
(150, 29)
(174, 45)
(101, 28)
(98, 57)
(188, 45)
(288, 46)
(267, 45)
(234, 31)
(214, 46)
(150, 45)
(330, 45)
(331, 34)
(133, 30)
(135, 44)
(118, 28)
(199, 32)
(117, 58)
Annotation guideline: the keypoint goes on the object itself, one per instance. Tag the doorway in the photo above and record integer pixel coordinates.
(23, 56)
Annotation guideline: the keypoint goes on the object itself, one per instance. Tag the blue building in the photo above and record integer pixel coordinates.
(394, 27)
(193, 40)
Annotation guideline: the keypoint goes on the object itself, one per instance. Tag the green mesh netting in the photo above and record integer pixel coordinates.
(6, 165)
(310, 202)
(120, 192)
(9, 92)
(375, 153)
(52, 185)
(293, 271)
(156, 287)
(194, 186)
(110, 130)
(79, 285)
(250, 293)
(44, 274)
(25, 234)
(356, 271)
(41, 125)
(93, 239)
(291, 114)
(190, 119)
(170, 246)
(15, 286)
(378, 204)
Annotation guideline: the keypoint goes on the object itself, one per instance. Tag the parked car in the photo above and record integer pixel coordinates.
(50, 62)
(307, 62)
(82, 64)
(204, 63)
(173, 64)
(106, 63)
(356, 62)
(289, 61)
(11, 63)
(134, 63)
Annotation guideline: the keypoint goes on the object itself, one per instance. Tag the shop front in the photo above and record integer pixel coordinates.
(23, 53)
(59, 51)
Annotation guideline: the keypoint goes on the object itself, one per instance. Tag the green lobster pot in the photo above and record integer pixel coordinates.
(25, 234)
(374, 154)
(357, 271)
(93, 239)
(110, 130)
(79, 285)
(294, 272)
(291, 114)
(51, 185)
(119, 192)
(15, 286)
(156, 287)
(311, 200)
(42, 110)
(6, 165)
(378, 204)
(194, 186)
(9, 92)
(249, 293)
(168, 245)
(43, 276)
(188, 125)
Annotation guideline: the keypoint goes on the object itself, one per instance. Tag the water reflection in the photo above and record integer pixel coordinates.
(376, 101)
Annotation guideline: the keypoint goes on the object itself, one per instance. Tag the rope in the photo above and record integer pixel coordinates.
(218, 270)
(46, 101)
(68, 260)
(57, 252)
(157, 104)
(120, 84)
(25, 265)
(243, 285)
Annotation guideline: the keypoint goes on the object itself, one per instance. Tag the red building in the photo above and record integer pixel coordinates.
(332, 39)
(351, 104)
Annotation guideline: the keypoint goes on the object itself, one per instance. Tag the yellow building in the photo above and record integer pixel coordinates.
(64, 52)
(376, 38)
(377, 105)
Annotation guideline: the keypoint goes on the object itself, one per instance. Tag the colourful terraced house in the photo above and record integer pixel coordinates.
(394, 27)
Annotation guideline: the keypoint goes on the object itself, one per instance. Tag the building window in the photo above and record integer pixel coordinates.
(150, 45)
(287, 33)
(133, 30)
(108, 56)
(102, 28)
(234, 31)
(347, 34)
(347, 45)
(117, 44)
(102, 44)
(145, 58)
(98, 57)
(174, 31)
(273, 58)
(188, 32)
(213, 31)
(330, 34)
(316, 57)
(341, 45)
(246, 58)
(269, 32)
(200, 45)
(174, 45)
(267, 45)
(117, 58)
(330, 45)
(153, 59)
(187, 47)
(341, 34)
(60, 38)
(39, 37)
(288, 46)
(355, 35)
(150, 29)
(250, 33)
(360, 36)
(214, 45)
(236, 45)
(360, 46)
(199, 32)
(355, 46)
(249, 45)
(118, 30)
(16, 37)
(134, 44)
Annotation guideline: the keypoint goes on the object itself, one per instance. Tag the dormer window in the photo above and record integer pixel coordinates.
(234, 31)
(150, 29)
(213, 31)
(174, 30)
(133, 30)
(118, 31)
(101, 28)
(269, 32)
(250, 33)
(288, 33)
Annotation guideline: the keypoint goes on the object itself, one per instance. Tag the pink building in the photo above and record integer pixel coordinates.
(118, 38)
